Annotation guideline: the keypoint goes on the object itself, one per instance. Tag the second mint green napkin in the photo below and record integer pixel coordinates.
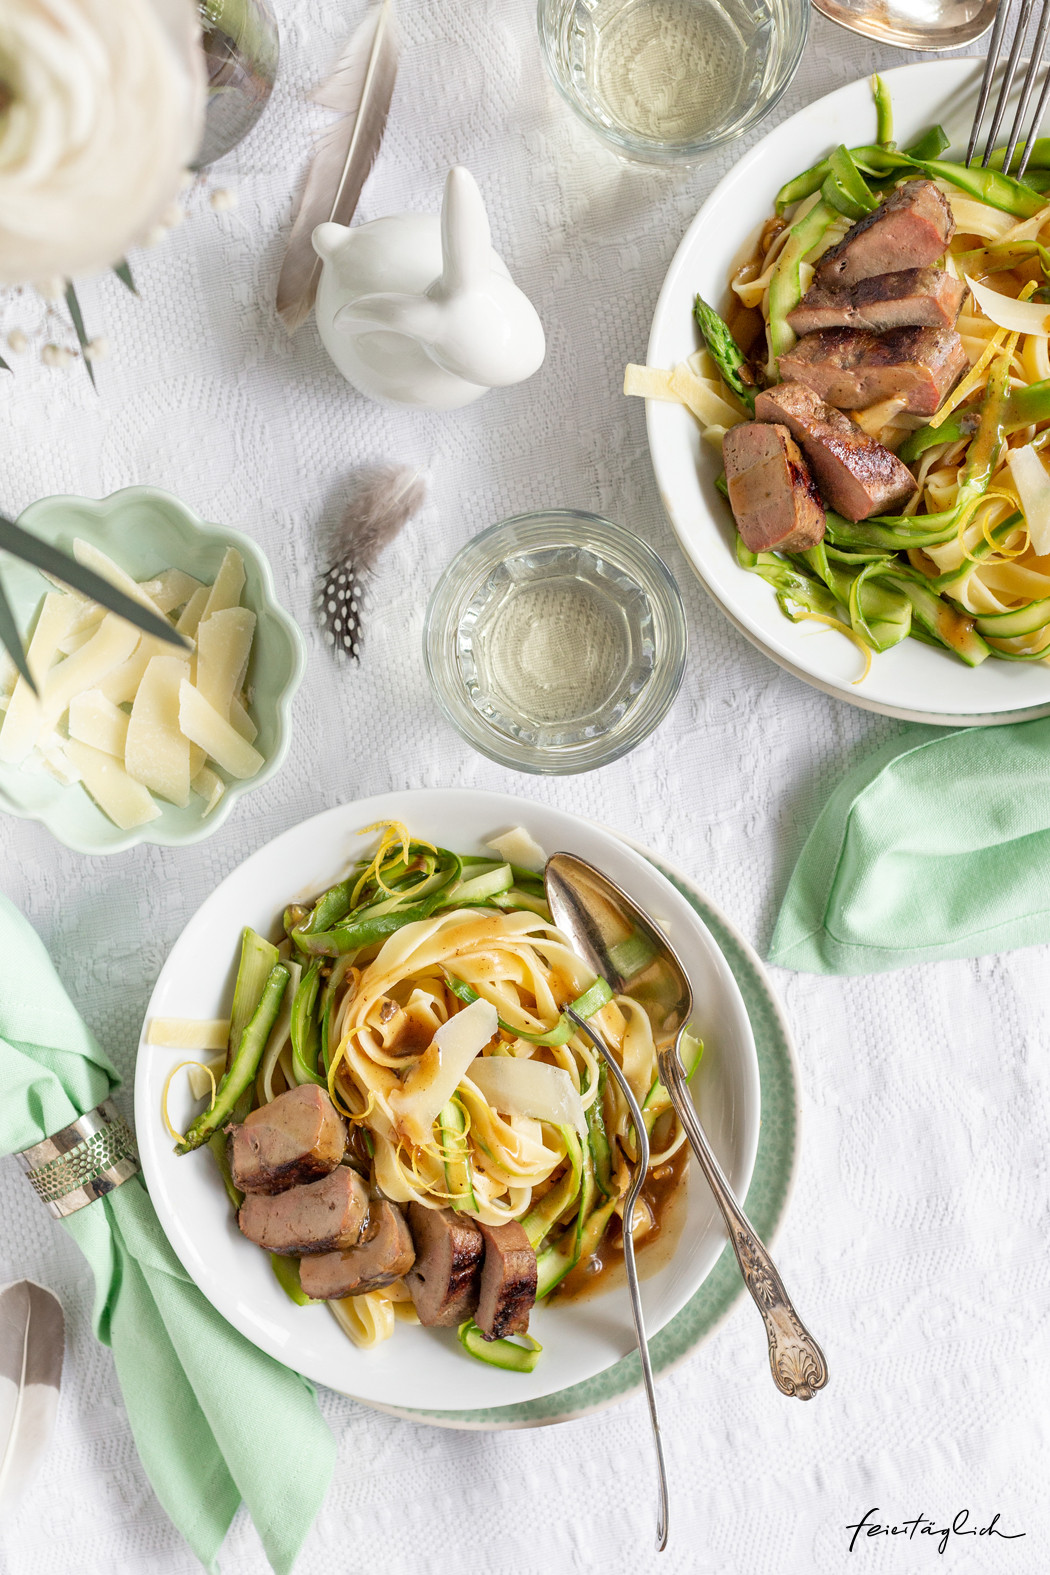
(214, 1419)
(936, 846)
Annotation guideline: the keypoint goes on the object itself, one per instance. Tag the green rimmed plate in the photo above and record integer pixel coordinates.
(424, 1370)
(766, 1202)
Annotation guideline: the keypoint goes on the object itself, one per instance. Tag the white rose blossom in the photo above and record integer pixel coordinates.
(101, 108)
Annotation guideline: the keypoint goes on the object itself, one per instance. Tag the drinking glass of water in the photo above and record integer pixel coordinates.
(666, 81)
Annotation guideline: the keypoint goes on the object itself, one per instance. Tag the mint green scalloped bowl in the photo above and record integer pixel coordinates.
(146, 530)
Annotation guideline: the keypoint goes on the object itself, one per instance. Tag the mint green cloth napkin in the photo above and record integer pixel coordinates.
(214, 1419)
(936, 846)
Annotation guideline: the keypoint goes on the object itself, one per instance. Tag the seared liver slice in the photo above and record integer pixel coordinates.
(322, 1216)
(383, 1255)
(444, 1280)
(773, 496)
(297, 1137)
(911, 229)
(852, 369)
(856, 475)
(910, 298)
(508, 1281)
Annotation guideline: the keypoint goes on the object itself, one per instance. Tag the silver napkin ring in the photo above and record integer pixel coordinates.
(83, 1162)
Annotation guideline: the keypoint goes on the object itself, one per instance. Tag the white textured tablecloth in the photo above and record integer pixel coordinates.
(916, 1242)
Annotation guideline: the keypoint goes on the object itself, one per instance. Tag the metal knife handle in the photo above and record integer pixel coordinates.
(795, 1358)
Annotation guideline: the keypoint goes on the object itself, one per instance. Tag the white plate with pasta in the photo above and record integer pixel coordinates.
(412, 1367)
(911, 680)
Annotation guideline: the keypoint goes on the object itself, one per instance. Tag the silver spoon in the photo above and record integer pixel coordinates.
(947, 24)
(625, 947)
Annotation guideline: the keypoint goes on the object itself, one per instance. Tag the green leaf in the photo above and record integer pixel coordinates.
(11, 642)
(3, 365)
(123, 273)
(78, 324)
(20, 544)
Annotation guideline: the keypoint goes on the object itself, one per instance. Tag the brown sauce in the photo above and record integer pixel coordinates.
(665, 1194)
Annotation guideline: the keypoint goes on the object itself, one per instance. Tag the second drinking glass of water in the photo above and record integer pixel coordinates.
(667, 81)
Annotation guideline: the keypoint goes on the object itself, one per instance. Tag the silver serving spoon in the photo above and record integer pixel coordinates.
(945, 24)
(634, 957)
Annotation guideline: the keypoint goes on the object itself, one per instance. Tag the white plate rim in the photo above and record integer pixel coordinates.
(151, 1139)
(957, 72)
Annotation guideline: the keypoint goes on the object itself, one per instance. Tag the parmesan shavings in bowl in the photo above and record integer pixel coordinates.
(103, 759)
(110, 711)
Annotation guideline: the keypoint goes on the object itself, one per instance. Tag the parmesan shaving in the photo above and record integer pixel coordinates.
(157, 753)
(92, 558)
(203, 1079)
(111, 644)
(517, 847)
(97, 721)
(189, 1033)
(203, 725)
(224, 641)
(22, 718)
(210, 786)
(229, 583)
(1020, 317)
(192, 612)
(125, 801)
(171, 589)
(1029, 476)
(53, 753)
(242, 721)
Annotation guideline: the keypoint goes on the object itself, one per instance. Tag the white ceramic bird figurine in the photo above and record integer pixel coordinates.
(417, 310)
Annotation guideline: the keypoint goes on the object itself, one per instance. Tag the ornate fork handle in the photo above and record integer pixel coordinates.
(796, 1360)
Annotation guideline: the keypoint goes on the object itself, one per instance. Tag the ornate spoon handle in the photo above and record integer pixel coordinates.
(796, 1359)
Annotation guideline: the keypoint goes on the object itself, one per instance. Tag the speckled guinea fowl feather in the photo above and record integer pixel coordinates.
(362, 86)
(32, 1343)
(383, 498)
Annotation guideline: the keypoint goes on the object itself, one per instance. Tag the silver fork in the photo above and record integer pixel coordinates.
(1027, 7)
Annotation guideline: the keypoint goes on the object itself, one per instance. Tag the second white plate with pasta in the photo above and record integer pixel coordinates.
(418, 1368)
(912, 681)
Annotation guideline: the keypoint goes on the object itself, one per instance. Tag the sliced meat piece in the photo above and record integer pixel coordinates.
(508, 1281)
(852, 370)
(774, 499)
(383, 1255)
(911, 229)
(855, 474)
(322, 1216)
(910, 298)
(297, 1137)
(445, 1279)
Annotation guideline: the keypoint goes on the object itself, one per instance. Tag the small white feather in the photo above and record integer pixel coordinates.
(32, 1345)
